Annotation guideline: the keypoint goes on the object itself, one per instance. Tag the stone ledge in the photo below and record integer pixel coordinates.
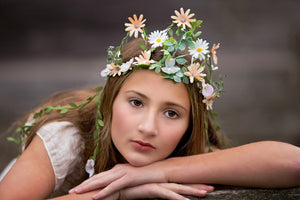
(252, 194)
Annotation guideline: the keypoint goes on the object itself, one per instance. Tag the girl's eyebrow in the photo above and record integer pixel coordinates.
(138, 93)
(169, 103)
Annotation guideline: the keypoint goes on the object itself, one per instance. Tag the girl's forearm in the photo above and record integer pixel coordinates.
(262, 164)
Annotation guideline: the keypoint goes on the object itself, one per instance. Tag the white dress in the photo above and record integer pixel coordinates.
(65, 148)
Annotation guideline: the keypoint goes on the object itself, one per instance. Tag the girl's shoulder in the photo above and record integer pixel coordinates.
(65, 148)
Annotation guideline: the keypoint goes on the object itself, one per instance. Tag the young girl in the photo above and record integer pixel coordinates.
(152, 134)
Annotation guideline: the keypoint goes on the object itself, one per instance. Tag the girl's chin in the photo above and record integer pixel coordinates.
(139, 162)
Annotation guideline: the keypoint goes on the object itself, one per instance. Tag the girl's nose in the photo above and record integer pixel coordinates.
(148, 124)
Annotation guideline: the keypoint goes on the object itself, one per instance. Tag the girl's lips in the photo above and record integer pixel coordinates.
(142, 146)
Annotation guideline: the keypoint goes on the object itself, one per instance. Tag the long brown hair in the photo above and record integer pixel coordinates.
(193, 142)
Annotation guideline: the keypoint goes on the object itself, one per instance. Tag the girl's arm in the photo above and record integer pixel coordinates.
(261, 164)
(31, 177)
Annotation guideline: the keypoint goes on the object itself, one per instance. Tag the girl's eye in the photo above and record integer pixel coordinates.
(136, 103)
(172, 114)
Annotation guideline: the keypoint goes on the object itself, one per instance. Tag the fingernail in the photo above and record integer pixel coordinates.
(77, 189)
(71, 191)
(210, 188)
(202, 191)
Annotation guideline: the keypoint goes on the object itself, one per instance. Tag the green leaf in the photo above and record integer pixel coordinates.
(100, 122)
(184, 69)
(142, 46)
(186, 80)
(177, 79)
(152, 66)
(99, 114)
(99, 88)
(190, 43)
(182, 47)
(181, 61)
(198, 34)
(171, 48)
(48, 109)
(171, 32)
(165, 52)
(11, 139)
(96, 152)
(95, 134)
(65, 110)
(38, 115)
(58, 108)
(157, 69)
(73, 105)
(178, 32)
(179, 74)
(169, 43)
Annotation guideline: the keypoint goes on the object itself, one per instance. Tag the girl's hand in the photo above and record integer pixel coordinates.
(160, 190)
(119, 177)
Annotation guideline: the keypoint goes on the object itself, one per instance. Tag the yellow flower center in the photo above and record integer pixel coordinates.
(199, 49)
(158, 40)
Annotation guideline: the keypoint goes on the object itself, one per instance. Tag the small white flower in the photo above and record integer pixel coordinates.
(170, 67)
(126, 66)
(89, 167)
(207, 90)
(105, 72)
(214, 68)
(157, 38)
(200, 49)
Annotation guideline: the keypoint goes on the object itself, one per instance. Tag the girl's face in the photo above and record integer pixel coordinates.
(150, 116)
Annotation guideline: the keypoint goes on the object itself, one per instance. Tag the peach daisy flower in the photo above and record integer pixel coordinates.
(114, 69)
(209, 101)
(195, 72)
(214, 53)
(183, 18)
(135, 26)
(144, 58)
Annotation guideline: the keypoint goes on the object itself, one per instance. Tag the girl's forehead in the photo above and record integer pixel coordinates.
(153, 85)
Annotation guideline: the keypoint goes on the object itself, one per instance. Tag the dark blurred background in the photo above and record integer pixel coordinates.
(52, 45)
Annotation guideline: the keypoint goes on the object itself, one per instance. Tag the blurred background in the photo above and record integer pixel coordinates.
(52, 45)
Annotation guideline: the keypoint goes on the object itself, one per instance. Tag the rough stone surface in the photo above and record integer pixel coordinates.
(253, 194)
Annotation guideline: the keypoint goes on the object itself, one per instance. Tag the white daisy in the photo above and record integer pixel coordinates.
(156, 38)
(200, 49)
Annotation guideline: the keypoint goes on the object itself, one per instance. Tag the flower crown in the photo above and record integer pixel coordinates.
(198, 50)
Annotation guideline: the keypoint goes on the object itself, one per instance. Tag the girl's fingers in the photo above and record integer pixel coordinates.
(207, 188)
(117, 185)
(96, 182)
(152, 190)
(184, 189)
